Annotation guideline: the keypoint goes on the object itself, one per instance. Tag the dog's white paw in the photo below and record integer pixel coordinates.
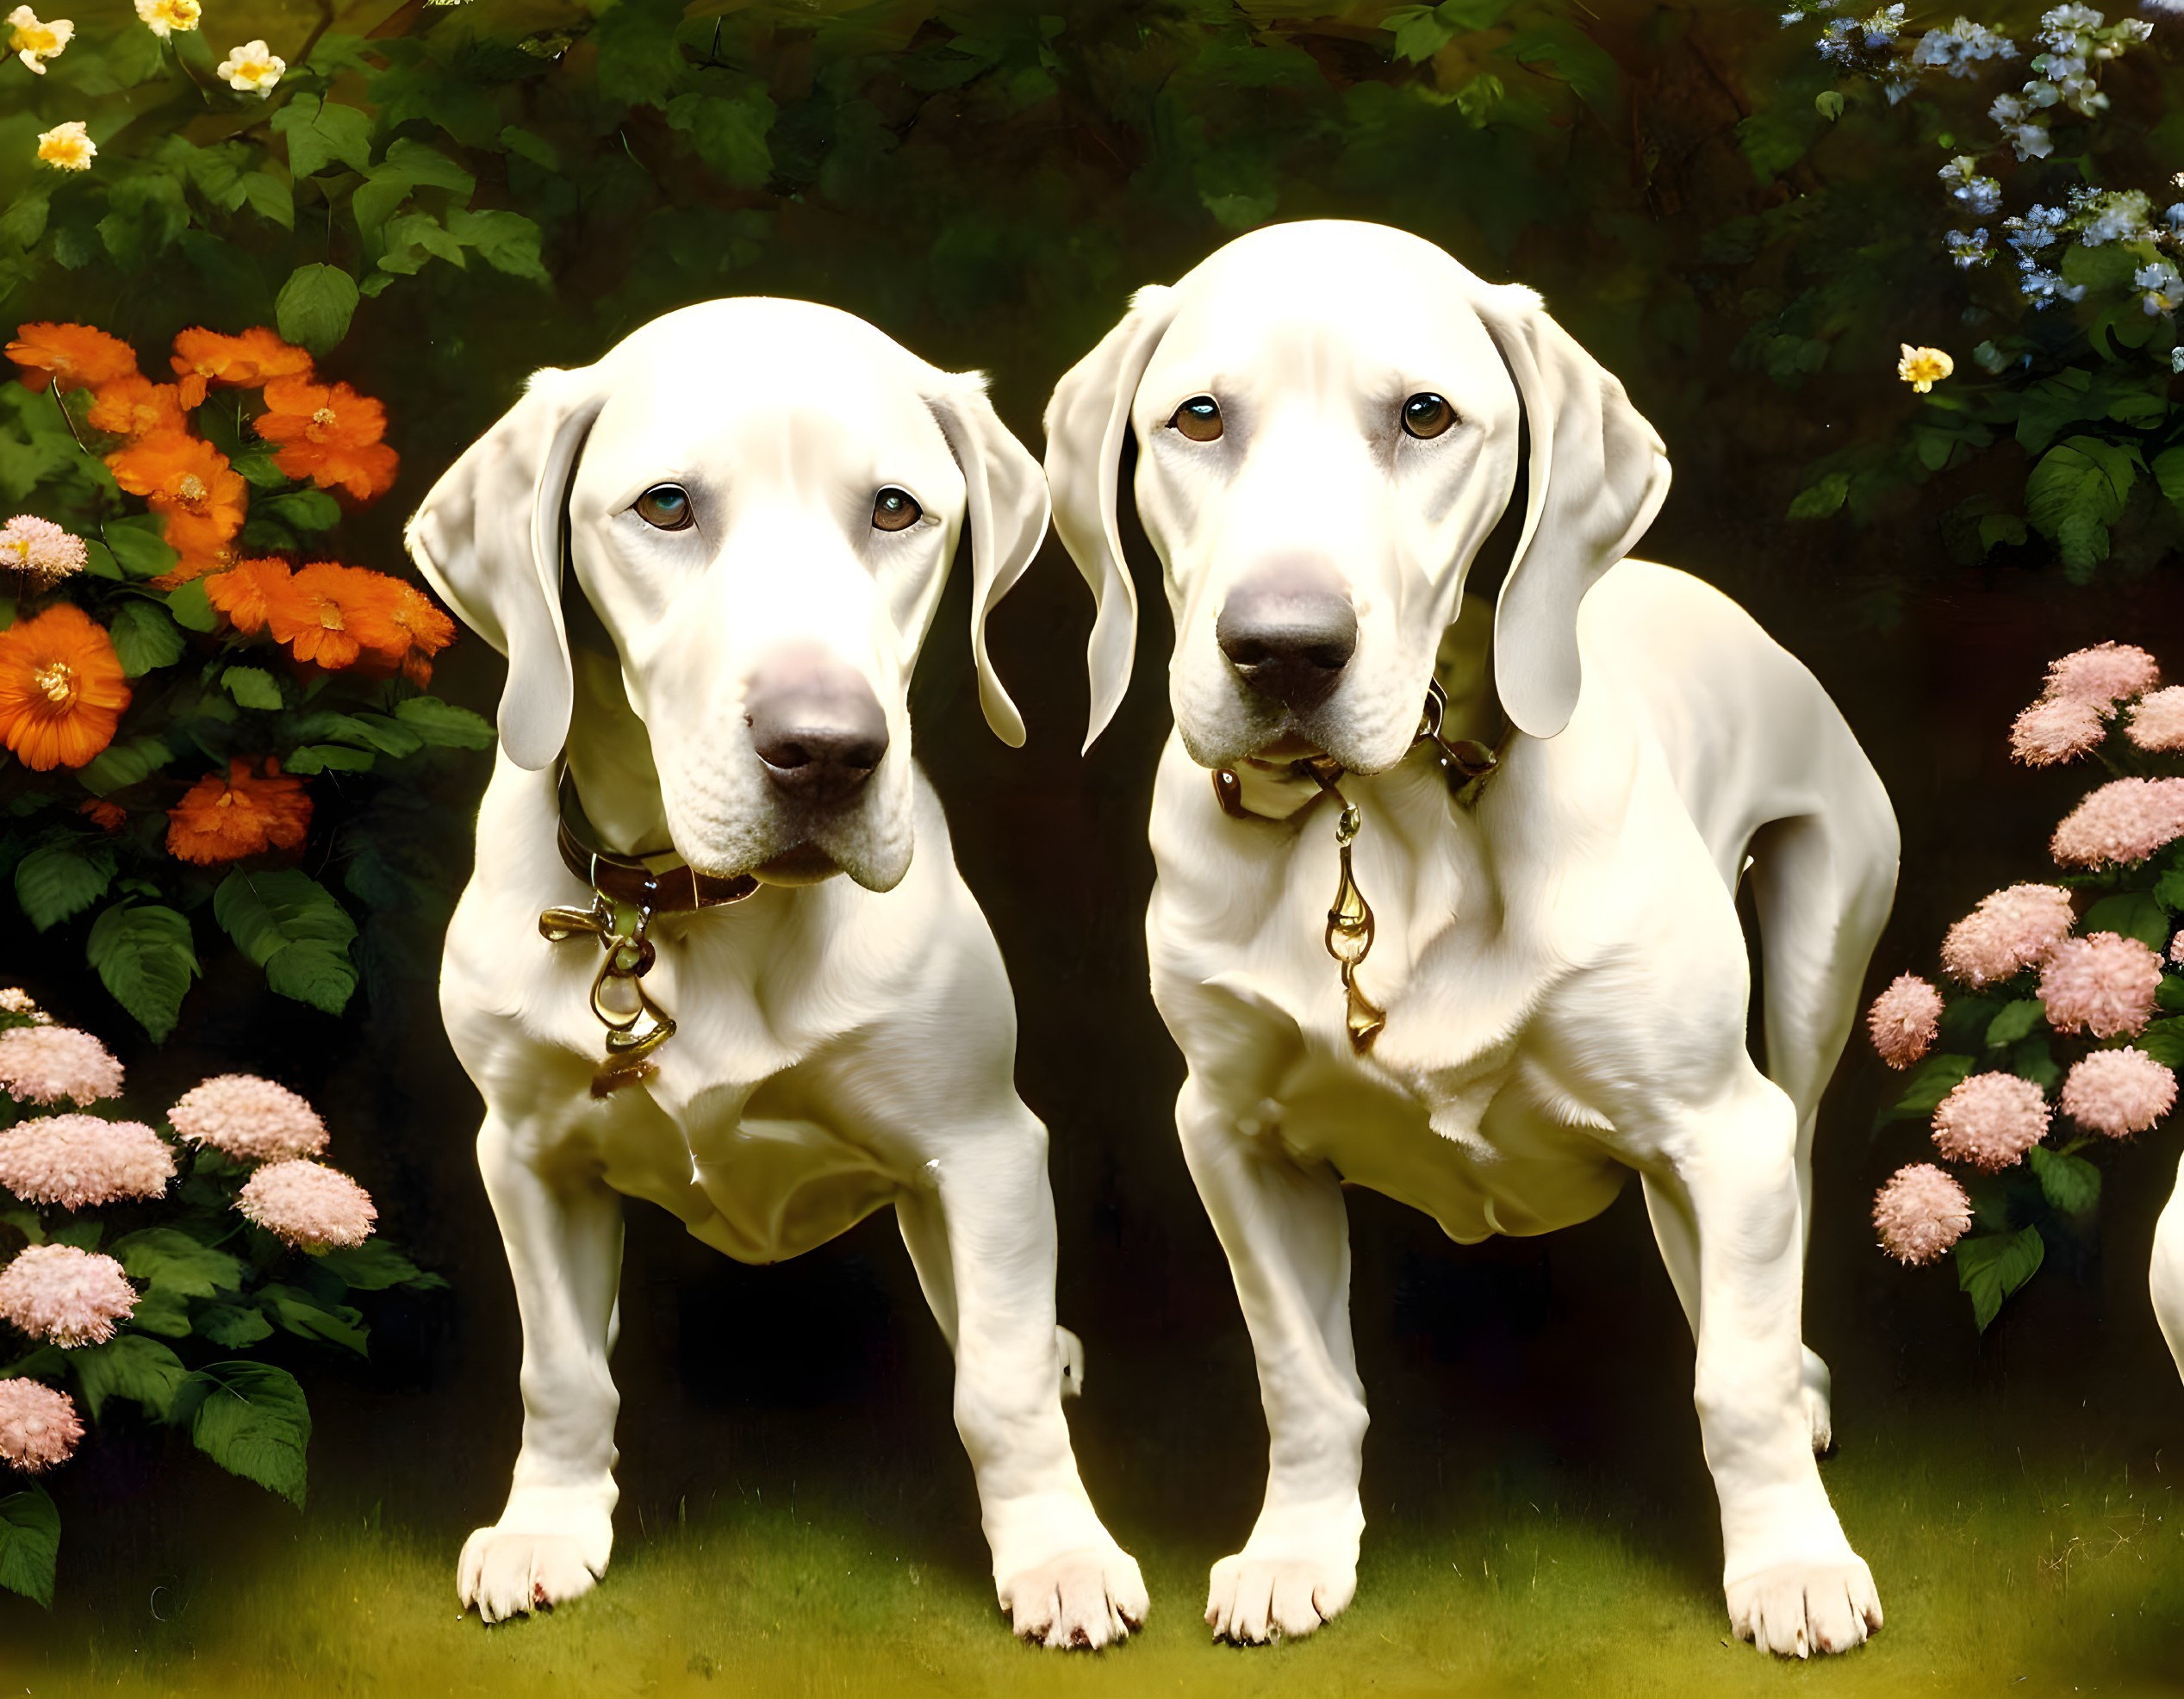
(1085, 1598)
(1251, 1599)
(1814, 1387)
(1796, 1609)
(550, 1546)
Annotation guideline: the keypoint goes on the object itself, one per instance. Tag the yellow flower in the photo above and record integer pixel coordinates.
(166, 16)
(252, 68)
(1922, 368)
(33, 42)
(67, 148)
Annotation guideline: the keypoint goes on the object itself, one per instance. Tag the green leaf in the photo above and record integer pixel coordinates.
(1930, 1082)
(161, 1312)
(2131, 914)
(252, 687)
(340, 1325)
(252, 1421)
(2164, 1042)
(145, 638)
(318, 757)
(2168, 890)
(1419, 31)
(638, 63)
(143, 959)
(2016, 1019)
(271, 199)
(84, 1232)
(535, 148)
(62, 877)
(232, 1326)
(130, 1366)
(138, 546)
(291, 926)
(375, 1265)
(29, 1544)
(507, 242)
(443, 724)
(190, 608)
(316, 305)
(1994, 1264)
(321, 133)
(2073, 496)
(2070, 1184)
(1828, 102)
(730, 134)
(1577, 59)
(120, 765)
(1820, 498)
(167, 1257)
(304, 509)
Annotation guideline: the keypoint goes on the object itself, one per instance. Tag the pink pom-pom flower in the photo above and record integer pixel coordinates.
(1904, 1020)
(2010, 930)
(65, 1296)
(2056, 729)
(313, 1207)
(1920, 1213)
(1990, 1120)
(2104, 985)
(2118, 1093)
(251, 1119)
(2156, 722)
(2125, 820)
(2102, 674)
(46, 1064)
(76, 1160)
(39, 1426)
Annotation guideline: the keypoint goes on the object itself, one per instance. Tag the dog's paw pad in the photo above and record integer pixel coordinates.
(1081, 1600)
(509, 1574)
(1252, 1600)
(1798, 1610)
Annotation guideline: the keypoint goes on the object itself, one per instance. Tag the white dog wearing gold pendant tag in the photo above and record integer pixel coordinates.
(759, 500)
(1550, 990)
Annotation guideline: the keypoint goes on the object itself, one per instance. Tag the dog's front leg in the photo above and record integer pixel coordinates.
(563, 1229)
(981, 1232)
(1725, 1203)
(1287, 1234)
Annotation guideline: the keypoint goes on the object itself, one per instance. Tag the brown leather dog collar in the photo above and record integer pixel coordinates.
(665, 884)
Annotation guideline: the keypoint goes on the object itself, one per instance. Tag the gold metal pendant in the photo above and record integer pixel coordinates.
(1349, 934)
(618, 1000)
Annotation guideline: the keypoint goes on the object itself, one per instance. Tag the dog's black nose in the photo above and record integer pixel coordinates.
(817, 727)
(1288, 632)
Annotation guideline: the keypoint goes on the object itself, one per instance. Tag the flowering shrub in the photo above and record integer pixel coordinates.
(2092, 956)
(150, 1266)
(169, 684)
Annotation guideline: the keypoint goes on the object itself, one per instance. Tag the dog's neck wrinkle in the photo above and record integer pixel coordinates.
(610, 757)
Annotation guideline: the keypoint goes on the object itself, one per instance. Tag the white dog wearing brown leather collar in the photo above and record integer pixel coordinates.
(1327, 417)
(759, 500)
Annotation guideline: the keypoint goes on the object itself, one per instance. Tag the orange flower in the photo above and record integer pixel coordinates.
(192, 567)
(187, 482)
(106, 816)
(203, 358)
(330, 434)
(247, 591)
(244, 814)
(402, 627)
(326, 610)
(133, 406)
(72, 356)
(61, 688)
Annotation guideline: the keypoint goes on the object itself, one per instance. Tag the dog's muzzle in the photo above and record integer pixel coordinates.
(1289, 630)
(820, 731)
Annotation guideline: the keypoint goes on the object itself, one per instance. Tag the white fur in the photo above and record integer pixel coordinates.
(1564, 976)
(843, 1045)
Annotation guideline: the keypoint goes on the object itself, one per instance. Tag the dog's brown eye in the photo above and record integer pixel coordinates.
(1426, 416)
(894, 509)
(1198, 419)
(665, 506)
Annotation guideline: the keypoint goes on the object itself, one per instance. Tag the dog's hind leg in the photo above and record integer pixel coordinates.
(1823, 884)
(2165, 1279)
(562, 1229)
(980, 1232)
(1286, 1231)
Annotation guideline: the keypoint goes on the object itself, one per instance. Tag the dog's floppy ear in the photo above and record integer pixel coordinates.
(1006, 512)
(1086, 422)
(1598, 474)
(488, 537)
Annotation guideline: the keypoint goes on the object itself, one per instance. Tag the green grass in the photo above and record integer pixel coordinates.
(2049, 1571)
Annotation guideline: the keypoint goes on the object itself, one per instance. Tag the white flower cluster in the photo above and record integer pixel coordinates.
(1981, 197)
(1960, 48)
